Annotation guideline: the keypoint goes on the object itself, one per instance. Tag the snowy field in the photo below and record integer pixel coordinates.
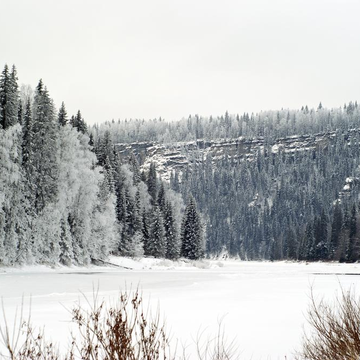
(262, 304)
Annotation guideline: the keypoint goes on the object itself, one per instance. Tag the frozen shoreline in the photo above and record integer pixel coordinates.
(262, 303)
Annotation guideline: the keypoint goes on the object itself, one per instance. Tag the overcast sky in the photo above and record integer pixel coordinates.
(149, 58)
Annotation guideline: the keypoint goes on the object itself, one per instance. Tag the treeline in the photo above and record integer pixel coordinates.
(280, 203)
(65, 199)
(301, 205)
(268, 124)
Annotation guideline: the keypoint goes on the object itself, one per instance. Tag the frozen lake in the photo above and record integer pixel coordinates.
(262, 304)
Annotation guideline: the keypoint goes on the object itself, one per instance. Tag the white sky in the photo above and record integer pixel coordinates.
(148, 58)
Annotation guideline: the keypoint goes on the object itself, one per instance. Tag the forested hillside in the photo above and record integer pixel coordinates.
(275, 185)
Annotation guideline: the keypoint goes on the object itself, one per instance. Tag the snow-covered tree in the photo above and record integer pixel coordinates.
(171, 235)
(78, 122)
(8, 98)
(62, 115)
(192, 244)
(45, 149)
(152, 183)
(14, 222)
(156, 245)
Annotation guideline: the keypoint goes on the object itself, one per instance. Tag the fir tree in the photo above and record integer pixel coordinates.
(152, 183)
(45, 149)
(78, 122)
(171, 237)
(8, 98)
(20, 113)
(27, 143)
(156, 245)
(62, 115)
(354, 240)
(161, 197)
(145, 230)
(336, 226)
(192, 246)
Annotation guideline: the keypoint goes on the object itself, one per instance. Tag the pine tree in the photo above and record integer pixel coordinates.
(62, 115)
(152, 183)
(20, 113)
(156, 245)
(137, 215)
(78, 123)
(192, 246)
(145, 230)
(353, 252)
(104, 148)
(336, 226)
(27, 143)
(91, 141)
(161, 197)
(8, 98)
(45, 149)
(134, 167)
(171, 237)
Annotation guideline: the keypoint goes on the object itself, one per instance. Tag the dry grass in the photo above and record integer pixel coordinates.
(217, 347)
(120, 332)
(335, 329)
(123, 331)
(23, 342)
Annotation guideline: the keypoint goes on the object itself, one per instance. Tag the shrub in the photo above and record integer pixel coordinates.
(120, 332)
(335, 329)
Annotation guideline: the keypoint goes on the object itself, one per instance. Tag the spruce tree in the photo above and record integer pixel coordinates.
(161, 197)
(171, 237)
(20, 113)
(8, 98)
(152, 183)
(354, 241)
(45, 149)
(156, 245)
(192, 246)
(78, 122)
(336, 226)
(145, 230)
(27, 143)
(62, 115)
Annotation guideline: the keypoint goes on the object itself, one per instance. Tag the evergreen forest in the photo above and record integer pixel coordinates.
(67, 195)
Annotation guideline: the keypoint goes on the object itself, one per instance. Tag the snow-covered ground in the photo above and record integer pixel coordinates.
(262, 305)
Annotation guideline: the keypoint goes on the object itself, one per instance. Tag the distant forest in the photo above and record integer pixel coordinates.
(300, 203)
(67, 196)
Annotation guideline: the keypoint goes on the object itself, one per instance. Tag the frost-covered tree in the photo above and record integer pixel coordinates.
(8, 97)
(156, 245)
(104, 225)
(45, 149)
(14, 222)
(66, 256)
